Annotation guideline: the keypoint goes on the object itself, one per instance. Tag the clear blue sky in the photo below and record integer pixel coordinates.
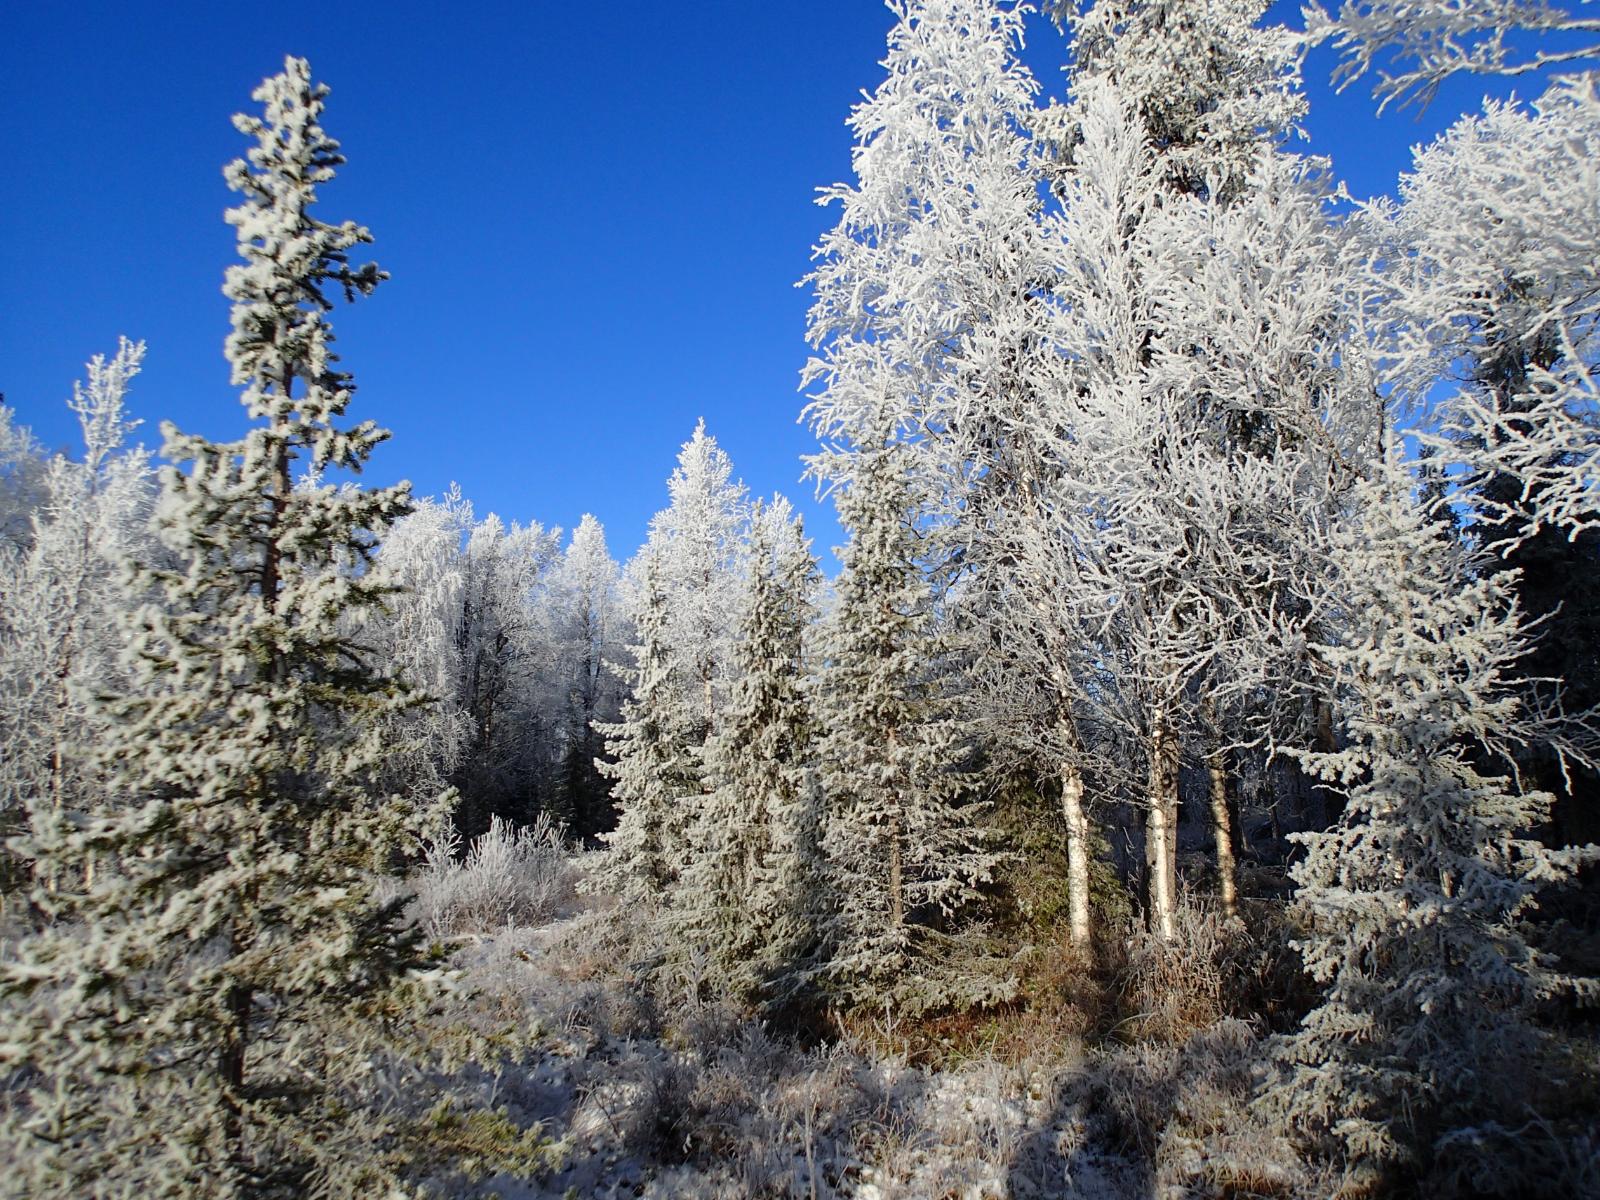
(594, 215)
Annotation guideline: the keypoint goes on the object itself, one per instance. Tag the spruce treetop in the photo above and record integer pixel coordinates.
(291, 258)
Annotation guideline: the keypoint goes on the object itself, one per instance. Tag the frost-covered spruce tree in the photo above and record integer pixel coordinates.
(749, 897)
(1207, 81)
(655, 769)
(683, 592)
(188, 1018)
(1412, 903)
(789, 897)
(903, 842)
(698, 544)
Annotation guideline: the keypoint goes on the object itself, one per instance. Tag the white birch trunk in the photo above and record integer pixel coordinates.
(1222, 827)
(1161, 834)
(1077, 821)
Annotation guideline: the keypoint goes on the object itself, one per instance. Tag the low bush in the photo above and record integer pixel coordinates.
(508, 876)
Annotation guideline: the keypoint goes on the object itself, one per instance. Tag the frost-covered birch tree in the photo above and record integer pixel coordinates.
(1494, 245)
(178, 1013)
(1416, 47)
(419, 639)
(933, 319)
(471, 628)
(921, 290)
(507, 766)
(62, 592)
(587, 644)
(1202, 317)
(1494, 336)
(1111, 456)
(22, 465)
(1042, 594)
(1257, 353)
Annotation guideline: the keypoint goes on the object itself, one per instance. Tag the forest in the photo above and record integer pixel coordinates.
(1186, 783)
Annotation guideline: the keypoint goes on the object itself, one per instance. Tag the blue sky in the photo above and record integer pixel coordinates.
(594, 216)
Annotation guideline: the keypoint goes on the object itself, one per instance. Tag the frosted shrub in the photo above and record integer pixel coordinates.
(509, 876)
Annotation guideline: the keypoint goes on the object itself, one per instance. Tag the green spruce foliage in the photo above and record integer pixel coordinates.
(179, 1018)
(904, 846)
(750, 896)
(1414, 905)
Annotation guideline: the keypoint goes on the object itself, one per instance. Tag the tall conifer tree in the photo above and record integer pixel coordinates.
(179, 1007)
(749, 895)
(1414, 905)
(654, 769)
(902, 842)
(698, 542)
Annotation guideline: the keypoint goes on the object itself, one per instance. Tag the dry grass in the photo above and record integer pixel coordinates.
(1125, 1074)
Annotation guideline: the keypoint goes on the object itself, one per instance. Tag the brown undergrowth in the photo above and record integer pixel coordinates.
(1128, 988)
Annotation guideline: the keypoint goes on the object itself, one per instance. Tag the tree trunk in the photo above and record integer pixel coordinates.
(897, 902)
(231, 1067)
(1332, 801)
(1077, 821)
(706, 675)
(897, 896)
(1158, 891)
(1161, 831)
(1224, 803)
(1224, 808)
(278, 502)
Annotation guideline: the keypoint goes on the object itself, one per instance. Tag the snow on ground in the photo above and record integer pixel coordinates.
(644, 1094)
